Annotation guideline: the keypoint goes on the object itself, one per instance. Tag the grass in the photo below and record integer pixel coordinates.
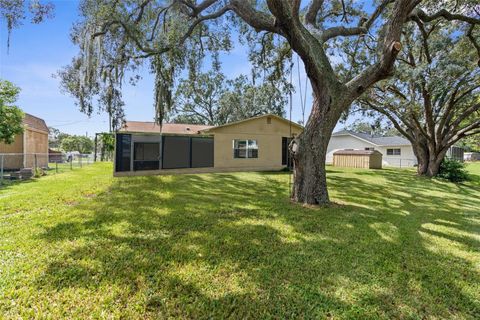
(85, 245)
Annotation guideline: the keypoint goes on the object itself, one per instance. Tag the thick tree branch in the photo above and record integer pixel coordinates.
(473, 40)
(256, 19)
(443, 13)
(463, 132)
(390, 47)
(149, 51)
(341, 31)
(354, 31)
(312, 12)
(465, 114)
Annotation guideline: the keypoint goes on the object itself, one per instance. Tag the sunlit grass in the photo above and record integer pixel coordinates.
(83, 244)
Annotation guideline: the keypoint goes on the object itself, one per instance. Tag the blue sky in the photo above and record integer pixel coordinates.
(37, 52)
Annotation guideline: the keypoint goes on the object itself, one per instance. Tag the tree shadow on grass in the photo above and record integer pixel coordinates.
(224, 245)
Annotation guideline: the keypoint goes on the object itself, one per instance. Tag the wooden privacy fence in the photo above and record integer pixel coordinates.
(367, 159)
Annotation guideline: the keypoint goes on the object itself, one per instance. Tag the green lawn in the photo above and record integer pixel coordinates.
(85, 245)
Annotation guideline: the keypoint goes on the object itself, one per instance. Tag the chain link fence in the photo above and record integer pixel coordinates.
(20, 166)
(399, 162)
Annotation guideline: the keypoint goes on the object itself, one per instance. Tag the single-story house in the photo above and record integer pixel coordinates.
(29, 148)
(397, 151)
(471, 156)
(255, 144)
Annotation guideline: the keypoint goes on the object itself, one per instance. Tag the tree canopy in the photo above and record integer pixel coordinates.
(81, 144)
(377, 128)
(214, 100)
(433, 99)
(14, 12)
(11, 117)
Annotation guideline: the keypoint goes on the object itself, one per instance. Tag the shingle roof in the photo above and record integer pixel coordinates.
(258, 117)
(377, 140)
(35, 123)
(168, 128)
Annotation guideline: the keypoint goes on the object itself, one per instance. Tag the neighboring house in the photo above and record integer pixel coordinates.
(471, 156)
(397, 151)
(29, 148)
(255, 144)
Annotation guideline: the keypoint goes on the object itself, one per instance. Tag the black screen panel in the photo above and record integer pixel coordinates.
(146, 156)
(123, 152)
(176, 152)
(202, 152)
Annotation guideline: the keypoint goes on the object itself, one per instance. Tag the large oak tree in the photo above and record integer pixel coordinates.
(434, 97)
(115, 37)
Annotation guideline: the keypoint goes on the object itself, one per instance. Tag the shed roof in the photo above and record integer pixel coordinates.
(376, 140)
(169, 128)
(35, 123)
(355, 152)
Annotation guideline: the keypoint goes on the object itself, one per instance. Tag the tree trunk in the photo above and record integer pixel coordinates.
(309, 154)
(428, 163)
(433, 167)
(421, 152)
(435, 161)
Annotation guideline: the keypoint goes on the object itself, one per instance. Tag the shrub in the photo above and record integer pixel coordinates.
(452, 170)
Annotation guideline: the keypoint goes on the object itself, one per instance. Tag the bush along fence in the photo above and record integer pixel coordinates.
(19, 166)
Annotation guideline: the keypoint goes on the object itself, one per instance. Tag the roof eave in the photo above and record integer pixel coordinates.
(253, 118)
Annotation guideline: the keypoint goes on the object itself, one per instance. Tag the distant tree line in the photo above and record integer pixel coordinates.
(63, 141)
(212, 99)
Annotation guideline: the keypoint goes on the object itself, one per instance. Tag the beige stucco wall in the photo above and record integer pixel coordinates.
(269, 141)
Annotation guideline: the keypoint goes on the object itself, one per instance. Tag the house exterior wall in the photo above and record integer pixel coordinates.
(267, 133)
(12, 162)
(36, 142)
(345, 142)
(405, 159)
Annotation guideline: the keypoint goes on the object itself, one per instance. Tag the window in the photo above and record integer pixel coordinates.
(393, 152)
(245, 149)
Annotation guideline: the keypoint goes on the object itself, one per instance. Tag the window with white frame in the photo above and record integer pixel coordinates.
(394, 152)
(245, 149)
